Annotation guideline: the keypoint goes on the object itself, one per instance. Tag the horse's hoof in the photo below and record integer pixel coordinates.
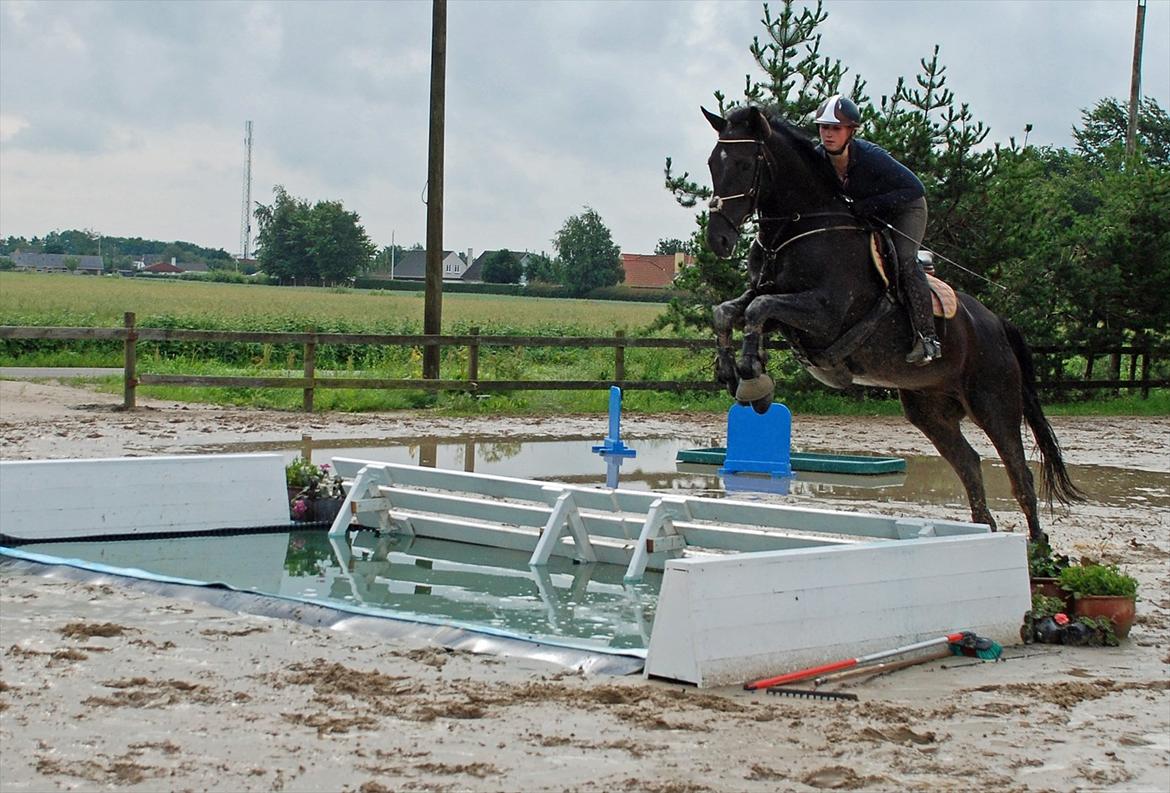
(755, 389)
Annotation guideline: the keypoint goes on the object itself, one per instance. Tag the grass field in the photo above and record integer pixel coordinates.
(72, 300)
(63, 300)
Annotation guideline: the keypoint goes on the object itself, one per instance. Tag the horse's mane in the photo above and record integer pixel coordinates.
(796, 139)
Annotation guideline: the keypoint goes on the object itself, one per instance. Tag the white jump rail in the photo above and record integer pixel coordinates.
(749, 590)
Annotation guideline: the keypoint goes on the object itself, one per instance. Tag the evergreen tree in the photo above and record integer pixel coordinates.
(588, 258)
(1107, 123)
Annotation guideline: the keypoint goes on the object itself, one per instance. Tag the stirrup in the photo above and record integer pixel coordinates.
(925, 350)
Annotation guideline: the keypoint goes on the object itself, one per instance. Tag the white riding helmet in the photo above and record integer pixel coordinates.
(838, 109)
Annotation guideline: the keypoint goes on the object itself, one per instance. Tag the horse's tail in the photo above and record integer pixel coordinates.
(1054, 478)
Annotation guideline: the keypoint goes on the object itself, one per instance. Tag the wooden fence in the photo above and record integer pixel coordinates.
(1049, 360)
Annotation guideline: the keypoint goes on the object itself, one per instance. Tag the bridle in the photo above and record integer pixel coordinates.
(763, 158)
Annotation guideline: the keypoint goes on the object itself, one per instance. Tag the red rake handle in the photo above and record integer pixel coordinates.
(803, 674)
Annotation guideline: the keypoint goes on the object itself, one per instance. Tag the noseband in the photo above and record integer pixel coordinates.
(763, 157)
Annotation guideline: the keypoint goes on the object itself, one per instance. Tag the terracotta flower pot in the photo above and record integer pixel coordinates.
(1118, 608)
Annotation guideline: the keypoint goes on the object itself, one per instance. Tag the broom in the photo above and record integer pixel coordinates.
(962, 643)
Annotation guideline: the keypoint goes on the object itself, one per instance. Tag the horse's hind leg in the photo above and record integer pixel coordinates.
(938, 418)
(1001, 422)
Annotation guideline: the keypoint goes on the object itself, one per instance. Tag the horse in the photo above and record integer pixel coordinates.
(812, 278)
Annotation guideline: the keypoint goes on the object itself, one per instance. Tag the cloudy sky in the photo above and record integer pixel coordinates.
(128, 117)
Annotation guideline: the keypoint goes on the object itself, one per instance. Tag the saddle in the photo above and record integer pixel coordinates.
(942, 296)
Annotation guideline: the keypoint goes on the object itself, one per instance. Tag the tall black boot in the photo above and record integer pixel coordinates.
(926, 347)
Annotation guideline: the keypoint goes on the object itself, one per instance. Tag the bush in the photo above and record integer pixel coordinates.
(1097, 579)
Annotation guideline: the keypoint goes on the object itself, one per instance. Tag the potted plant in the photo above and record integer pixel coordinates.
(1044, 567)
(315, 492)
(1102, 590)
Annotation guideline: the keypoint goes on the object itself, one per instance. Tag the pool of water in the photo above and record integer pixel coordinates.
(581, 605)
(927, 479)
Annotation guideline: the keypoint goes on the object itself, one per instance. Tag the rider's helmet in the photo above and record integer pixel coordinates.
(838, 109)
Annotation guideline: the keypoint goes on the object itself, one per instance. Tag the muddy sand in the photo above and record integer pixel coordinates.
(108, 687)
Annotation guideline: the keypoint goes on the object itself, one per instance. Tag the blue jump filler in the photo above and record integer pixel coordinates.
(758, 443)
(612, 450)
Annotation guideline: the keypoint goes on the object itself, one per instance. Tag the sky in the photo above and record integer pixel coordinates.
(127, 118)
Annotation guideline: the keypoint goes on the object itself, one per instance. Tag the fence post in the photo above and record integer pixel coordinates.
(307, 447)
(130, 362)
(619, 356)
(1146, 370)
(310, 369)
(473, 357)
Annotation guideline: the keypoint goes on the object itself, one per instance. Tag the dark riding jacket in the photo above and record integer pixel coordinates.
(878, 184)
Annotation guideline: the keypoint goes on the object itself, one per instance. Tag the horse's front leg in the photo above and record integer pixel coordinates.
(727, 316)
(800, 310)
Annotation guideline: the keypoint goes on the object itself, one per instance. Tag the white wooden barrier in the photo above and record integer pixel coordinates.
(804, 586)
(748, 616)
(56, 499)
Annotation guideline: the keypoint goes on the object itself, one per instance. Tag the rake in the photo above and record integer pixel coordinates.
(962, 643)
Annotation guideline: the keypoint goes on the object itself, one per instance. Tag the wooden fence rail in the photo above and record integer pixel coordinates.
(131, 334)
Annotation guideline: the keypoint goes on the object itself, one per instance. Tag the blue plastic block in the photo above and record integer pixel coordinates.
(757, 443)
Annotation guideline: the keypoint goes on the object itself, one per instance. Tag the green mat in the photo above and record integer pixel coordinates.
(820, 463)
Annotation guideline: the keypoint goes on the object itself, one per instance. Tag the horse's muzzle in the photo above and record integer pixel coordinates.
(721, 236)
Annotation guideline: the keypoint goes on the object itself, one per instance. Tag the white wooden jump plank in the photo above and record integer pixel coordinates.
(53, 499)
(729, 619)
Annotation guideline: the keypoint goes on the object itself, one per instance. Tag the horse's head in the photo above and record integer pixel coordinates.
(740, 168)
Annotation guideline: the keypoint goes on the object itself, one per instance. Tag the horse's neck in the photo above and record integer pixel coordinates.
(796, 187)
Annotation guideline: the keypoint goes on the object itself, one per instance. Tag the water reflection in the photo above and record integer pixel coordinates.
(584, 605)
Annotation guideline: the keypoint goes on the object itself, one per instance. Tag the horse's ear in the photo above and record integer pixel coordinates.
(718, 122)
(759, 124)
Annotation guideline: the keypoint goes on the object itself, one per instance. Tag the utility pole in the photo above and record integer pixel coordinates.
(433, 298)
(1135, 82)
(246, 210)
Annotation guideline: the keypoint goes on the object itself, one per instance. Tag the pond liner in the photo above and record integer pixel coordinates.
(384, 625)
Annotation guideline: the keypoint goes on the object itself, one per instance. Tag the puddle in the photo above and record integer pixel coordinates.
(927, 480)
(585, 605)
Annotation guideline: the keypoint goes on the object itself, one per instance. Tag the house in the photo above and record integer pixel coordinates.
(465, 268)
(162, 268)
(57, 263)
(413, 267)
(653, 271)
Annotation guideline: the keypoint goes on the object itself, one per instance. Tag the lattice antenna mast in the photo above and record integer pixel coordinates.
(246, 209)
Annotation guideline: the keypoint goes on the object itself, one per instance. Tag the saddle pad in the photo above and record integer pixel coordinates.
(879, 261)
(942, 297)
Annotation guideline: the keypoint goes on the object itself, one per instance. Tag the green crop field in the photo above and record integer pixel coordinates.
(70, 300)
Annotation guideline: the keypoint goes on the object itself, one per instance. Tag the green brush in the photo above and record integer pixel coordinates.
(974, 646)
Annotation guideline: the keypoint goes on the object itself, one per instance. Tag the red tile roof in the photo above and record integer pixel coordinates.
(652, 271)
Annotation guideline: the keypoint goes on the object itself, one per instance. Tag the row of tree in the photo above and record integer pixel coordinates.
(1074, 246)
(118, 253)
(323, 243)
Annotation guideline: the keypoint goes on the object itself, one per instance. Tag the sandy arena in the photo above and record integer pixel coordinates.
(107, 687)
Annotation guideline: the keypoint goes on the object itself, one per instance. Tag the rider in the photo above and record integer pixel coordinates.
(878, 186)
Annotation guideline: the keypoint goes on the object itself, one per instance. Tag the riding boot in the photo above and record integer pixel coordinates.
(926, 347)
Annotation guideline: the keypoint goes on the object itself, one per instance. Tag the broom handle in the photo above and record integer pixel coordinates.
(881, 669)
(817, 671)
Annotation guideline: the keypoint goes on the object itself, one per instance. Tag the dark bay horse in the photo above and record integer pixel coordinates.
(812, 280)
